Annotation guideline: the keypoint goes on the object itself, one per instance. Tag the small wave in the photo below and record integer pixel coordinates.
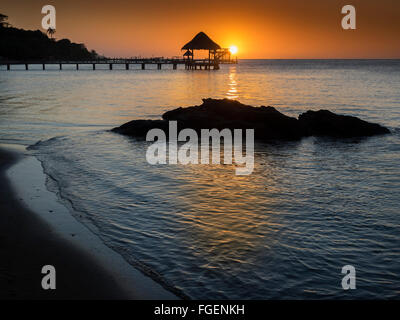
(55, 184)
(39, 143)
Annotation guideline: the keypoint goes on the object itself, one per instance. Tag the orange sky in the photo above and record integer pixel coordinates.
(259, 28)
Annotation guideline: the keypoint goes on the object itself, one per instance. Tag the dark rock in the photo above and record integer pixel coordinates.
(267, 122)
(139, 128)
(326, 123)
(220, 114)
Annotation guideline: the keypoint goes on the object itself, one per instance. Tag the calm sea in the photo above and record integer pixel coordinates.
(309, 208)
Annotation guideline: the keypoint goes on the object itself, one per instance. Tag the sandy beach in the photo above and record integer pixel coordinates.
(27, 243)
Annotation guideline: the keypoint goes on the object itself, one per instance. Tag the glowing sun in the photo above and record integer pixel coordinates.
(233, 49)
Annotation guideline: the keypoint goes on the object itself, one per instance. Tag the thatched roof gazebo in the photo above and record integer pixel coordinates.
(201, 42)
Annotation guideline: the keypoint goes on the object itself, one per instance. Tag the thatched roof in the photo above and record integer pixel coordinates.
(201, 42)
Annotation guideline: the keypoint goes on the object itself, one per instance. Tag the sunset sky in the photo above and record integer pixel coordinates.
(259, 28)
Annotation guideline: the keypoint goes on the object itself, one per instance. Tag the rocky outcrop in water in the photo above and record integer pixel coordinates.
(267, 122)
(327, 123)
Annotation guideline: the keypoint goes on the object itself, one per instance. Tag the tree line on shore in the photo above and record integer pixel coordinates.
(20, 44)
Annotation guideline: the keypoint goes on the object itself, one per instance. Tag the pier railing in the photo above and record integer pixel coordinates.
(159, 61)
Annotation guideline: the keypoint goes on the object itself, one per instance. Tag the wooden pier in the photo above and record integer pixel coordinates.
(198, 64)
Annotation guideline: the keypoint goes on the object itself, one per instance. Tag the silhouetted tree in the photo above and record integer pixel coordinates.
(19, 44)
(51, 32)
(94, 54)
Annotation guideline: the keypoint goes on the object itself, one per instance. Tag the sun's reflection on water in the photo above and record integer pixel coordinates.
(227, 216)
(232, 90)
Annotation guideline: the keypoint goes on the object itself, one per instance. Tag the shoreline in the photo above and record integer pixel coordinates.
(37, 230)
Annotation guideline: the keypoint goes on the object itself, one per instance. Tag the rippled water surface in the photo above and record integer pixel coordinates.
(309, 208)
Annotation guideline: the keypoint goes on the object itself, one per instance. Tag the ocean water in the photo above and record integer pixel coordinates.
(284, 232)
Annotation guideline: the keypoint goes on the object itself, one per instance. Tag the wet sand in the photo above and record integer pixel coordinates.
(27, 243)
